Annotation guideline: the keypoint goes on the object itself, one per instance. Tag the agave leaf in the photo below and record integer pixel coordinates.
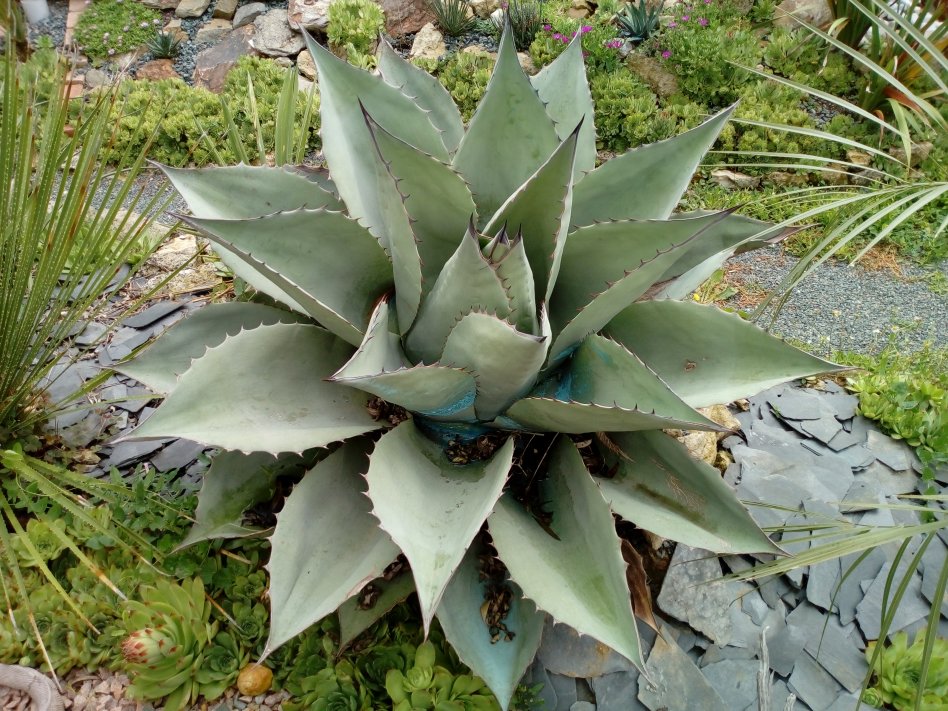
(344, 551)
(607, 267)
(658, 486)
(159, 366)
(467, 282)
(430, 507)
(379, 367)
(579, 578)
(512, 122)
(333, 260)
(708, 356)
(345, 92)
(234, 483)
(504, 361)
(354, 619)
(539, 211)
(500, 662)
(210, 191)
(437, 201)
(264, 391)
(514, 271)
(563, 87)
(685, 284)
(653, 177)
(424, 90)
(605, 389)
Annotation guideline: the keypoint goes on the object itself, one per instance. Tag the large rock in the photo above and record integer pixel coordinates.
(213, 31)
(192, 8)
(248, 13)
(815, 12)
(225, 9)
(312, 15)
(175, 29)
(160, 4)
(157, 69)
(305, 65)
(212, 65)
(403, 17)
(428, 44)
(483, 8)
(274, 37)
(653, 73)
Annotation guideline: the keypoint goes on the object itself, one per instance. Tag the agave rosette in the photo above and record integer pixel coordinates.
(494, 285)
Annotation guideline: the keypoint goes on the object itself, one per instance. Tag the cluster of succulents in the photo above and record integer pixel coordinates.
(463, 308)
(898, 672)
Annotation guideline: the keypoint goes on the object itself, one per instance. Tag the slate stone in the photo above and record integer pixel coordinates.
(879, 517)
(785, 649)
(565, 689)
(771, 589)
(716, 653)
(889, 481)
(687, 594)
(894, 454)
(911, 607)
(771, 437)
(131, 338)
(617, 692)
(61, 383)
(153, 313)
(779, 693)
(115, 392)
(790, 403)
(845, 438)
(821, 583)
(755, 607)
(735, 680)
(823, 477)
(856, 457)
(845, 702)
(850, 593)
(824, 429)
(745, 633)
(834, 650)
(83, 433)
(138, 398)
(582, 706)
(774, 490)
(811, 683)
(674, 682)
(177, 455)
(90, 335)
(844, 404)
(861, 496)
(794, 542)
(564, 651)
(118, 352)
(125, 453)
(536, 676)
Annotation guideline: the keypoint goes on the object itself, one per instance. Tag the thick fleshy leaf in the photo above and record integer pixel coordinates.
(430, 507)
(264, 391)
(326, 546)
(345, 92)
(333, 260)
(210, 191)
(539, 211)
(658, 486)
(647, 182)
(504, 361)
(709, 356)
(354, 619)
(424, 90)
(510, 261)
(509, 137)
(234, 483)
(437, 201)
(467, 282)
(379, 367)
(159, 366)
(563, 87)
(608, 266)
(579, 578)
(501, 659)
(605, 388)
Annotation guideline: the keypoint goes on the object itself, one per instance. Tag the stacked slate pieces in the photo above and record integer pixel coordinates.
(808, 452)
(119, 403)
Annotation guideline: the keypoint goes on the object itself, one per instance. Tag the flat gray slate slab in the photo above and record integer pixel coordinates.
(674, 682)
(617, 692)
(794, 404)
(177, 455)
(564, 651)
(850, 592)
(813, 684)
(894, 454)
(735, 680)
(830, 644)
(912, 607)
(153, 313)
(890, 482)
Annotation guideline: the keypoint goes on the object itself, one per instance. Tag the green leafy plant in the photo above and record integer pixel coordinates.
(164, 45)
(354, 26)
(465, 341)
(898, 670)
(638, 22)
(107, 28)
(425, 685)
(454, 17)
(524, 18)
(600, 45)
(465, 75)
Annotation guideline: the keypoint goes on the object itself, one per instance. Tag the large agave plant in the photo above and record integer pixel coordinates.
(457, 305)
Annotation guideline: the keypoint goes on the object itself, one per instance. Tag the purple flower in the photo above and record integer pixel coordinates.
(666, 54)
(558, 36)
(111, 51)
(586, 28)
(685, 18)
(672, 24)
(703, 21)
(547, 28)
(144, 23)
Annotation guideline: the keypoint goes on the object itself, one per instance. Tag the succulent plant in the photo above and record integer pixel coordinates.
(165, 651)
(898, 672)
(466, 308)
(164, 45)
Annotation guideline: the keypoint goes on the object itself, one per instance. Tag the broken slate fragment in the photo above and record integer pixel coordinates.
(844, 439)
(821, 583)
(813, 684)
(790, 403)
(856, 457)
(565, 651)
(824, 429)
(536, 675)
(913, 605)
(673, 681)
(889, 481)
(565, 689)
(688, 595)
(137, 399)
(894, 454)
(735, 680)
(153, 313)
(863, 495)
(582, 706)
(125, 453)
(177, 455)
(617, 692)
(90, 335)
(850, 591)
(785, 648)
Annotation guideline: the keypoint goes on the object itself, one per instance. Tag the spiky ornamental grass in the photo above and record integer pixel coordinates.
(462, 294)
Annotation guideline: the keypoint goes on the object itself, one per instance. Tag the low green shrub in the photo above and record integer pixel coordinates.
(600, 43)
(796, 55)
(465, 75)
(354, 26)
(110, 27)
(452, 16)
(525, 18)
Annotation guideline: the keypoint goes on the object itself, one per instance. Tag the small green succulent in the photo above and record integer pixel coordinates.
(639, 22)
(222, 663)
(898, 671)
(426, 685)
(494, 327)
(164, 45)
(165, 651)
